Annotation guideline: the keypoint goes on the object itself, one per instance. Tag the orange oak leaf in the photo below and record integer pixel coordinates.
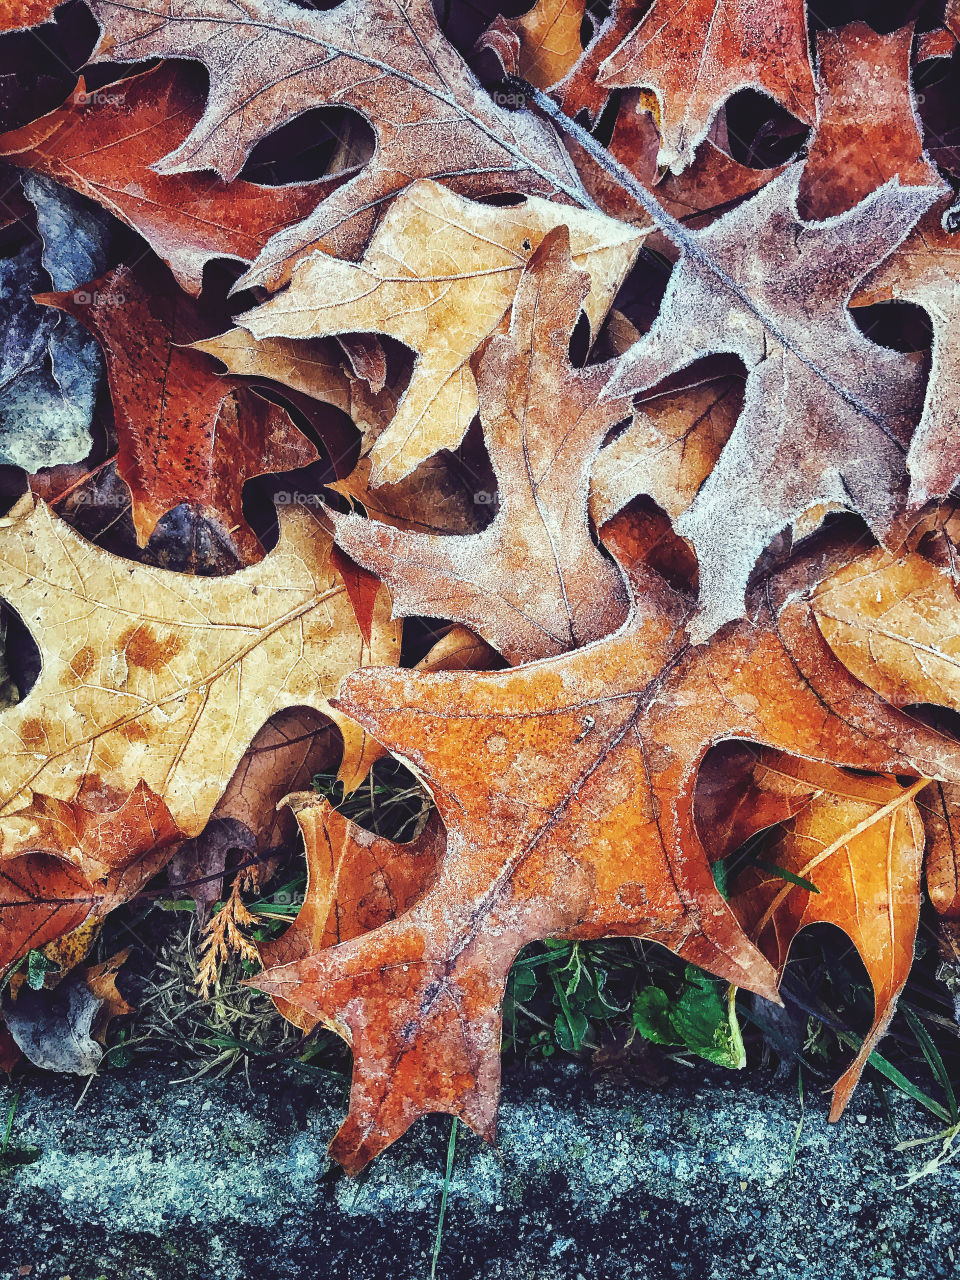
(76, 859)
(356, 881)
(270, 60)
(19, 14)
(103, 143)
(925, 270)
(827, 415)
(867, 129)
(186, 434)
(532, 583)
(694, 54)
(566, 788)
(860, 842)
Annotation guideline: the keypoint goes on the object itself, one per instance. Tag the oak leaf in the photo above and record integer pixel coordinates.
(440, 275)
(20, 14)
(860, 842)
(163, 678)
(186, 434)
(566, 788)
(925, 270)
(533, 582)
(828, 413)
(83, 857)
(356, 881)
(103, 143)
(695, 54)
(544, 42)
(270, 60)
(867, 129)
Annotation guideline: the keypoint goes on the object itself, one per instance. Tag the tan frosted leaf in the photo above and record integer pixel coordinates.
(533, 582)
(895, 623)
(667, 451)
(162, 677)
(860, 842)
(940, 807)
(547, 40)
(925, 270)
(270, 60)
(314, 367)
(440, 275)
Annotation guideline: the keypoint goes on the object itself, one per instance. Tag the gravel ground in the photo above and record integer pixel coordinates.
(151, 1179)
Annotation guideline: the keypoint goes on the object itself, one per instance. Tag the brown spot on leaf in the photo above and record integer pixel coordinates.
(144, 649)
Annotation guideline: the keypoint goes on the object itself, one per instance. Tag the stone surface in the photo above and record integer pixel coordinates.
(151, 1179)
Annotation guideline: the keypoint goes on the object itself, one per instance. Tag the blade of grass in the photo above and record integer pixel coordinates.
(934, 1060)
(438, 1240)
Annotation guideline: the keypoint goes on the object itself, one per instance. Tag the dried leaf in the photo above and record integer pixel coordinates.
(828, 413)
(440, 275)
(926, 270)
(867, 130)
(566, 788)
(26, 13)
(356, 881)
(386, 59)
(548, 40)
(694, 54)
(187, 435)
(103, 143)
(860, 841)
(164, 678)
(533, 583)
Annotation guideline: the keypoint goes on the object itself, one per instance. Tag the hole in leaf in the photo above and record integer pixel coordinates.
(21, 652)
(761, 133)
(902, 326)
(319, 143)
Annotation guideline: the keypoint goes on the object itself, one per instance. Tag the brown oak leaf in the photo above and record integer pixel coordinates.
(544, 42)
(867, 129)
(270, 60)
(925, 270)
(103, 144)
(828, 413)
(533, 582)
(19, 14)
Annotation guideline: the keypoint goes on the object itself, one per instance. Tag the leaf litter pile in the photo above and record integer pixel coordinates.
(537, 431)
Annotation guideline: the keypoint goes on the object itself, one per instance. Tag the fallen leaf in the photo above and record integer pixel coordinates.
(566, 789)
(694, 54)
(103, 143)
(532, 583)
(356, 881)
(867, 130)
(668, 450)
(547, 39)
(940, 809)
(894, 622)
(860, 841)
(162, 678)
(26, 13)
(439, 275)
(386, 59)
(828, 413)
(187, 435)
(580, 89)
(925, 270)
